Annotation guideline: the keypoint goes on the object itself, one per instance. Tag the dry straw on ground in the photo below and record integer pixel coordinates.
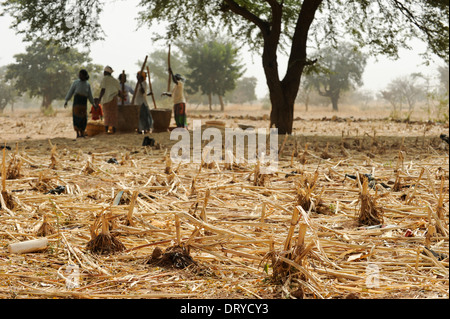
(225, 231)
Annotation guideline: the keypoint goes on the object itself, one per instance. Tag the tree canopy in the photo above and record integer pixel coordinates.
(7, 92)
(244, 92)
(214, 66)
(337, 70)
(403, 90)
(47, 70)
(267, 26)
(66, 22)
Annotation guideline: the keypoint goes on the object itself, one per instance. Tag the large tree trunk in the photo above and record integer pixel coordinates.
(282, 114)
(283, 93)
(282, 96)
(334, 103)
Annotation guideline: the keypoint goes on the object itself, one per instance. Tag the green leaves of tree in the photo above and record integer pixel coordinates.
(338, 69)
(66, 22)
(46, 70)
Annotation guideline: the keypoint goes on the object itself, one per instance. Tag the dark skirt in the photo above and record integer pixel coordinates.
(145, 118)
(179, 111)
(79, 113)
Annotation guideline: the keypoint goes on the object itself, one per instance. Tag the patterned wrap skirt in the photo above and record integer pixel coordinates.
(145, 118)
(179, 111)
(111, 113)
(79, 112)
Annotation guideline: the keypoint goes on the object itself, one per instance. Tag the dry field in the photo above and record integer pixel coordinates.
(310, 230)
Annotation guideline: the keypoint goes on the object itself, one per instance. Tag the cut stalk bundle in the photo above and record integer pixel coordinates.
(440, 204)
(206, 161)
(130, 221)
(177, 256)
(369, 213)
(13, 170)
(303, 158)
(325, 154)
(88, 168)
(46, 228)
(53, 158)
(289, 263)
(305, 188)
(6, 200)
(168, 170)
(42, 183)
(104, 243)
(259, 179)
(397, 184)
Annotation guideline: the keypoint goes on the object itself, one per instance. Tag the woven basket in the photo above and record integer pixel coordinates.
(93, 129)
(161, 119)
(128, 120)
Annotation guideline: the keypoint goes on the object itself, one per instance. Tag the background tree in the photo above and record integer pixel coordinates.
(444, 78)
(214, 66)
(270, 27)
(404, 90)
(7, 92)
(337, 70)
(6, 96)
(244, 91)
(304, 94)
(47, 71)
(437, 96)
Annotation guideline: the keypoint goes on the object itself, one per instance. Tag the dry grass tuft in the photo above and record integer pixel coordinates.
(14, 168)
(177, 256)
(46, 228)
(104, 243)
(369, 213)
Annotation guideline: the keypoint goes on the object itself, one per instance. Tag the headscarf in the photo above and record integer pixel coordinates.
(179, 77)
(108, 69)
(143, 74)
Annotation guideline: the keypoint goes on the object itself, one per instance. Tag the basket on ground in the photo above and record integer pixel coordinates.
(94, 128)
(161, 119)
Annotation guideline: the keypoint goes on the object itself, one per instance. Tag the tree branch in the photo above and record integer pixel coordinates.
(246, 14)
(297, 56)
(412, 18)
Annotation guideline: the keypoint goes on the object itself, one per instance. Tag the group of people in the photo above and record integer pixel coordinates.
(114, 92)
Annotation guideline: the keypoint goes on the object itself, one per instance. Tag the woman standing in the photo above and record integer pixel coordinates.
(110, 89)
(145, 117)
(179, 101)
(81, 92)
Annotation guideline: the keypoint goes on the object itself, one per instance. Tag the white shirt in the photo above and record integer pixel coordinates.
(111, 86)
(141, 98)
(178, 93)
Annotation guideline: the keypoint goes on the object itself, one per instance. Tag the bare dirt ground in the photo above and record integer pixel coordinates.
(241, 230)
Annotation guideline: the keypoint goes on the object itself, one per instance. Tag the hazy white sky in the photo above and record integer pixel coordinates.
(125, 45)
